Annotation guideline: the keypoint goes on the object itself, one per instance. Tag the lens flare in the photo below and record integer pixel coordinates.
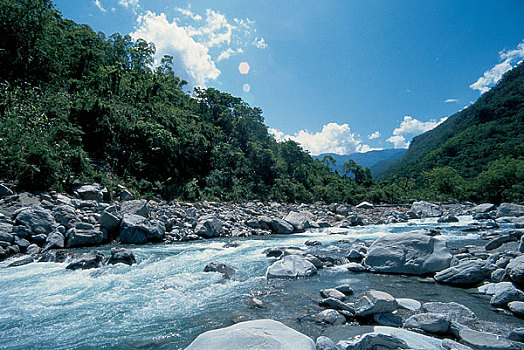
(243, 68)
(246, 87)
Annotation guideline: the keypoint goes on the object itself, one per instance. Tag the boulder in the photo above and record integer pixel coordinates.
(21, 243)
(224, 269)
(36, 218)
(291, 266)
(324, 343)
(388, 319)
(466, 273)
(121, 255)
(90, 260)
(332, 293)
(250, 335)
(408, 304)
(135, 207)
(5, 191)
(429, 322)
(365, 205)
(483, 208)
(19, 261)
(425, 209)
(484, 340)
(448, 218)
(510, 209)
(110, 221)
(336, 304)
(135, 229)
(81, 238)
(517, 334)
(517, 307)
(6, 237)
(94, 192)
(299, 221)
(374, 302)
(455, 311)
(33, 249)
(345, 288)
(55, 240)
(408, 253)
(515, 270)
(330, 316)
(498, 241)
(208, 226)
(505, 296)
(281, 226)
(65, 215)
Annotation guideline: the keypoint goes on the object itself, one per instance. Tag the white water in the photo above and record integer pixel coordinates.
(163, 301)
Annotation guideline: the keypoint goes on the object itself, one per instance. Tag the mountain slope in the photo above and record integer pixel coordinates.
(471, 139)
(366, 160)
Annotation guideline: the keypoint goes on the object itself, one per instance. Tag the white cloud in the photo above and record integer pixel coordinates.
(99, 5)
(169, 38)
(366, 148)
(188, 13)
(129, 4)
(334, 138)
(509, 60)
(411, 127)
(224, 55)
(261, 44)
(451, 100)
(374, 135)
(398, 141)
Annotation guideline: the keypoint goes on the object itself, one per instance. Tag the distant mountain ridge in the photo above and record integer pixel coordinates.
(374, 160)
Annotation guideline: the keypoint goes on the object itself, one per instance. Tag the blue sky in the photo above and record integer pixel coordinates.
(336, 76)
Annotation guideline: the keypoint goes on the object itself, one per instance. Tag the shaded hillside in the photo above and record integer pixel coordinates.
(468, 141)
(371, 159)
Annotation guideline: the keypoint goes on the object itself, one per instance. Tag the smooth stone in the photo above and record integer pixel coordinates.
(466, 273)
(135, 207)
(409, 304)
(515, 270)
(90, 260)
(38, 219)
(517, 335)
(355, 267)
(324, 343)
(224, 269)
(33, 249)
(429, 322)
(24, 260)
(332, 293)
(121, 255)
(330, 316)
(408, 253)
(365, 205)
(77, 238)
(388, 319)
(336, 304)
(281, 226)
(517, 307)
(250, 335)
(93, 192)
(484, 340)
(497, 242)
(483, 208)
(455, 311)
(494, 288)
(345, 288)
(426, 210)
(291, 266)
(299, 221)
(503, 297)
(374, 302)
(208, 226)
(510, 209)
(312, 243)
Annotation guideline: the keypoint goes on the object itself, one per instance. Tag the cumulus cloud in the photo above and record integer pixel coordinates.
(509, 60)
(224, 55)
(170, 38)
(374, 135)
(451, 100)
(411, 127)
(188, 13)
(333, 138)
(99, 5)
(129, 4)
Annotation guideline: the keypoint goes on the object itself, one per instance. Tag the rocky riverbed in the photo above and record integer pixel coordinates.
(417, 276)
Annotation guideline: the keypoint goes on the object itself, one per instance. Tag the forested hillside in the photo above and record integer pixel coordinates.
(481, 147)
(77, 105)
(371, 159)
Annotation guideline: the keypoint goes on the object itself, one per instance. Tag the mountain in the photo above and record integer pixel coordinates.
(371, 159)
(483, 144)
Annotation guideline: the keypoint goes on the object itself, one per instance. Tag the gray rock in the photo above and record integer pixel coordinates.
(336, 304)
(224, 269)
(281, 226)
(448, 218)
(466, 273)
(6, 237)
(65, 215)
(484, 340)
(521, 245)
(55, 240)
(426, 210)
(365, 205)
(5, 191)
(299, 221)
(109, 220)
(291, 266)
(345, 288)
(373, 341)
(251, 335)
(494, 288)
(21, 242)
(355, 267)
(515, 270)
(408, 304)
(324, 343)
(135, 207)
(310, 242)
(429, 322)
(505, 296)
(510, 209)
(23, 260)
(33, 249)
(483, 208)
(374, 302)
(38, 219)
(208, 226)
(455, 311)
(355, 256)
(94, 192)
(388, 319)
(497, 242)
(121, 255)
(90, 260)
(330, 316)
(332, 293)
(3, 254)
(499, 275)
(135, 229)
(408, 253)
(256, 303)
(80, 238)
(517, 307)
(517, 334)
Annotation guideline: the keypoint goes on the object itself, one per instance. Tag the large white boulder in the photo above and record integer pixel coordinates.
(291, 266)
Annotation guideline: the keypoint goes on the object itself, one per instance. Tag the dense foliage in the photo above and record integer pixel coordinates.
(77, 105)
